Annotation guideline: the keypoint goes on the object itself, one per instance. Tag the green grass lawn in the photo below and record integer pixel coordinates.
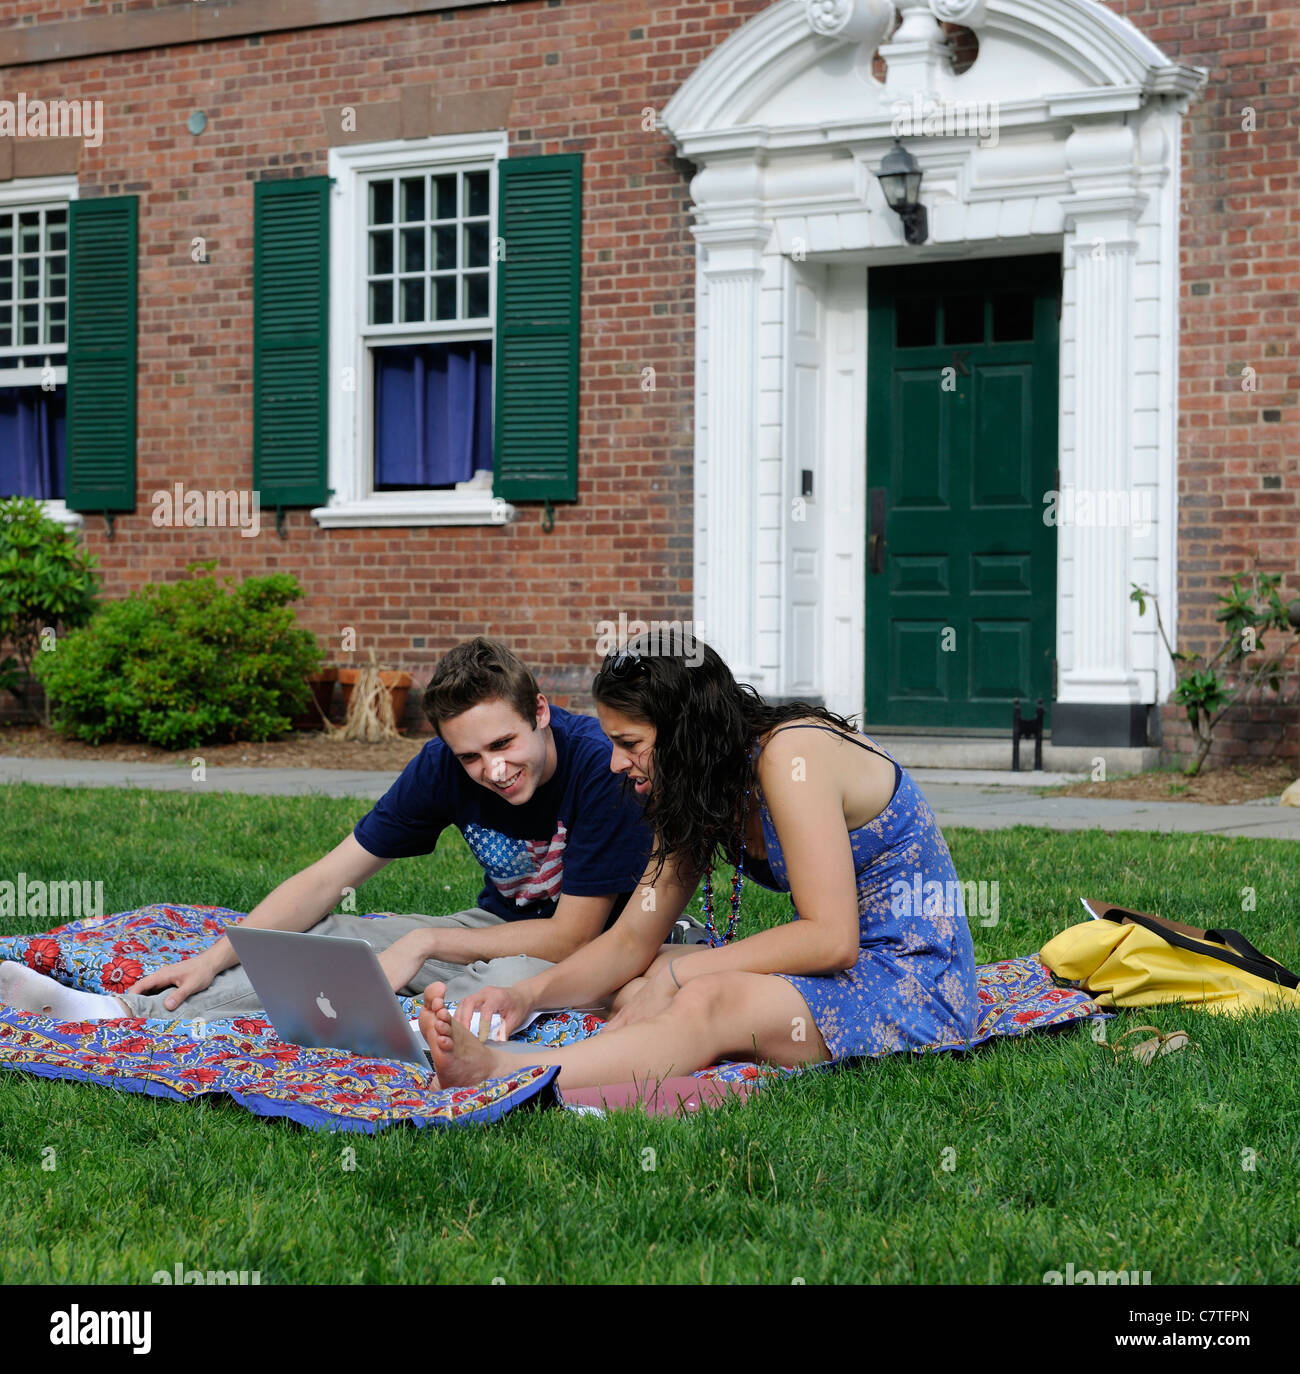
(1057, 1155)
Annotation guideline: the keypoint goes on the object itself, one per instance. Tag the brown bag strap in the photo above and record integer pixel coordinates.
(1240, 954)
(1103, 910)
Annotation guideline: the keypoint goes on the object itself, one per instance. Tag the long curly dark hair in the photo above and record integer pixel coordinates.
(706, 724)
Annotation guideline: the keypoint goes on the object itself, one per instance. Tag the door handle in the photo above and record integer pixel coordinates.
(876, 530)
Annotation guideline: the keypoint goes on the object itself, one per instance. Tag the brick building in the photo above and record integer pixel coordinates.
(520, 316)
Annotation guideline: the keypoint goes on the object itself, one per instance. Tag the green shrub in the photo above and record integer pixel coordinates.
(185, 664)
(46, 582)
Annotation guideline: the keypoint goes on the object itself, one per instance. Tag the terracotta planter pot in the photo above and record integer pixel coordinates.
(398, 684)
(322, 689)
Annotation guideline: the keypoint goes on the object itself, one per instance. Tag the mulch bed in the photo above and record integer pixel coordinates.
(1220, 786)
(303, 749)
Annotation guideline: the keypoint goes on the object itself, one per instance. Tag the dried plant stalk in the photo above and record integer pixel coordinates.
(370, 710)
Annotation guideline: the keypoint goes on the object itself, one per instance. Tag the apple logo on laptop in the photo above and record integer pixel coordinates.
(323, 1003)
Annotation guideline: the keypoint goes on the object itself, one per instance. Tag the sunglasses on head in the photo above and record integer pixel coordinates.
(623, 665)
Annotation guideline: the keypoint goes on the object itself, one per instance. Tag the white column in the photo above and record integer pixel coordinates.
(1101, 241)
(725, 603)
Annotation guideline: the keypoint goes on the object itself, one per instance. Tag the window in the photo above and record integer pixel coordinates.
(34, 342)
(412, 332)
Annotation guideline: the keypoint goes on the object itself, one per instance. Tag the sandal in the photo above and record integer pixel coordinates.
(1166, 1042)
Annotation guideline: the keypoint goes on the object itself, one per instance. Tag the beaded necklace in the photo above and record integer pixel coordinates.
(737, 882)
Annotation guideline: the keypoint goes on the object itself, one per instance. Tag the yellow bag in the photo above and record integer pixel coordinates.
(1131, 959)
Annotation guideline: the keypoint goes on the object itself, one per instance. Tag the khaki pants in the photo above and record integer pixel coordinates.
(231, 994)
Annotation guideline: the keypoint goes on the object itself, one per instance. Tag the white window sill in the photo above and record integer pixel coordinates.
(421, 508)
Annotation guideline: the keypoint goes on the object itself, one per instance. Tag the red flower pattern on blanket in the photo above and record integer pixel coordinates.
(243, 1057)
(120, 973)
(42, 955)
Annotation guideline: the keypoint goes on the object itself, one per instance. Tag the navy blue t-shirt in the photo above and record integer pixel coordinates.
(578, 833)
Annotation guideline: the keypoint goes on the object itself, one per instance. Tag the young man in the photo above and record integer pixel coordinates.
(528, 785)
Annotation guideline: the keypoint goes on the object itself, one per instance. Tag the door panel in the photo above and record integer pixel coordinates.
(962, 445)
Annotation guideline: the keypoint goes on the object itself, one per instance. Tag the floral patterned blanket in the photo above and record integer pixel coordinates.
(332, 1089)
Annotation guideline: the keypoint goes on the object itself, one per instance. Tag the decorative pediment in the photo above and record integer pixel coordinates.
(804, 66)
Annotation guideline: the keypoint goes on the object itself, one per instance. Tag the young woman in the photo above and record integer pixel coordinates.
(877, 959)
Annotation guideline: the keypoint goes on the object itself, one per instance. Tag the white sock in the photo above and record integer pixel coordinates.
(24, 988)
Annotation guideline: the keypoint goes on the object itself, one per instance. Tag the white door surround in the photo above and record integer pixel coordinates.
(1063, 136)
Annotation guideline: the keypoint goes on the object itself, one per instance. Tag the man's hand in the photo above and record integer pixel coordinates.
(188, 977)
(510, 1004)
(654, 995)
(404, 958)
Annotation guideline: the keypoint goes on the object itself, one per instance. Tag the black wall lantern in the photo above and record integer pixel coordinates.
(900, 179)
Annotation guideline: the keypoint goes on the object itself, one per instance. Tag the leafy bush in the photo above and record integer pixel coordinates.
(47, 581)
(185, 664)
(1252, 605)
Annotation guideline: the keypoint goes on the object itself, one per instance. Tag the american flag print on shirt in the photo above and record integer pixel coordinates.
(522, 871)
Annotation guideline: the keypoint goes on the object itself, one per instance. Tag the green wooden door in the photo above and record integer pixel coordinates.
(961, 450)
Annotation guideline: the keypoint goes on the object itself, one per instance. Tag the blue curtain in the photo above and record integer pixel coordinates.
(31, 442)
(433, 413)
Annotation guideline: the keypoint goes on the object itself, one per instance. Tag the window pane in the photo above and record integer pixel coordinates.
(476, 294)
(55, 324)
(381, 202)
(412, 198)
(445, 297)
(381, 302)
(444, 252)
(29, 239)
(1013, 317)
(56, 237)
(963, 319)
(914, 321)
(6, 235)
(6, 333)
(381, 252)
(476, 245)
(476, 193)
(444, 196)
(6, 281)
(30, 333)
(412, 299)
(412, 250)
(29, 277)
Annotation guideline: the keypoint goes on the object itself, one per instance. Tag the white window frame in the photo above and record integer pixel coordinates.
(25, 192)
(354, 502)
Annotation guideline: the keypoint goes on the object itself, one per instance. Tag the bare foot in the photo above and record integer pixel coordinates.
(460, 1058)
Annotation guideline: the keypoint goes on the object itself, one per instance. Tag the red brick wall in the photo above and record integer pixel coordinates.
(627, 544)
(1238, 451)
(580, 73)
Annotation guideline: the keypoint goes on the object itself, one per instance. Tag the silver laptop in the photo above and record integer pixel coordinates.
(325, 990)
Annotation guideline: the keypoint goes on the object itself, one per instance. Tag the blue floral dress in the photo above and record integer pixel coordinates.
(914, 984)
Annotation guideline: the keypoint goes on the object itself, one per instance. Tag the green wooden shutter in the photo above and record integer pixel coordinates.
(535, 431)
(103, 238)
(290, 340)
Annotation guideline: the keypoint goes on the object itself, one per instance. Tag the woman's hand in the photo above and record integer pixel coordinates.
(510, 1004)
(404, 958)
(188, 977)
(655, 995)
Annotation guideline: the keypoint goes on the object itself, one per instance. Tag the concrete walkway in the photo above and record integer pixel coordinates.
(981, 800)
